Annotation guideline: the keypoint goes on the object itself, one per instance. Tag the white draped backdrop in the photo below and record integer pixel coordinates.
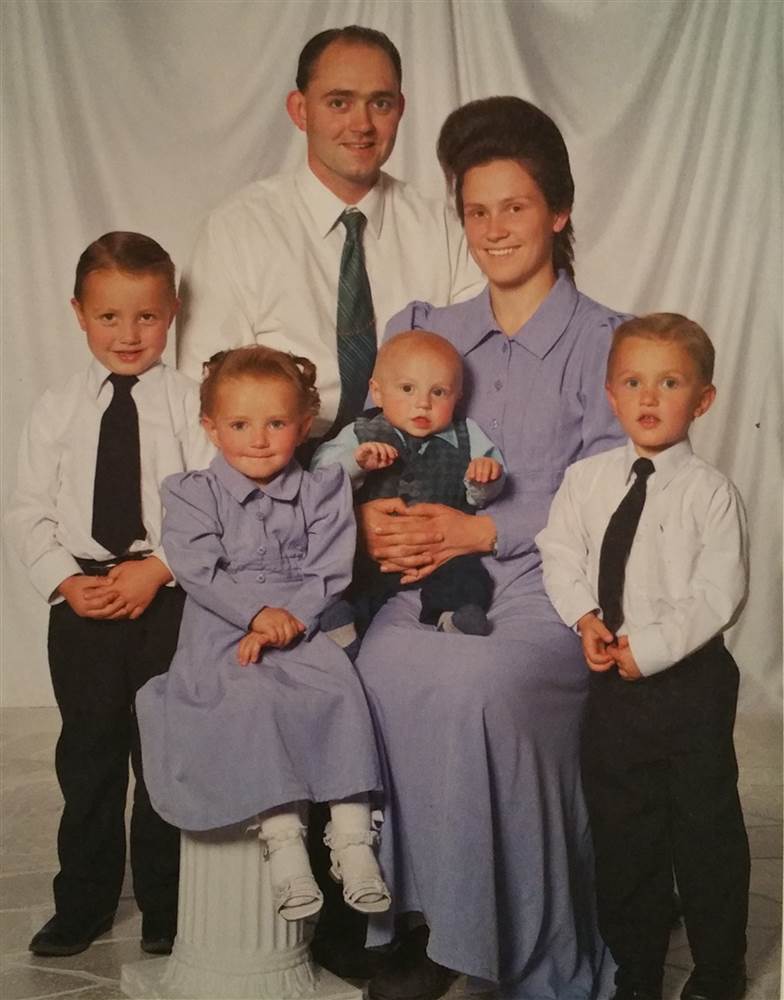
(144, 114)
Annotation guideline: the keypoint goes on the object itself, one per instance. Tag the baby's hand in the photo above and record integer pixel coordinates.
(373, 455)
(483, 470)
(596, 637)
(622, 655)
(250, 647)
(278, 626)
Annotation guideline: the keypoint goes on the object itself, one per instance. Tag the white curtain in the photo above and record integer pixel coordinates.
(144, 114)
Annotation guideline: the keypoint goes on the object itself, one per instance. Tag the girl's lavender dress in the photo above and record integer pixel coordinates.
(486, 831)
(222, 742)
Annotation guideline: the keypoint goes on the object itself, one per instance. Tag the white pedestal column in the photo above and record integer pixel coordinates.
(230, 941)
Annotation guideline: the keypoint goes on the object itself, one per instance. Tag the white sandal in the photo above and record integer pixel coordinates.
(295, 896)
(354, 864)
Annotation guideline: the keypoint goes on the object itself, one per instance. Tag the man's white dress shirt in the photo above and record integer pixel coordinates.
(687, 573)
(266, 264)
(49, 517)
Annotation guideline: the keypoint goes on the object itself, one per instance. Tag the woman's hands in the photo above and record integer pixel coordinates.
(416, 540)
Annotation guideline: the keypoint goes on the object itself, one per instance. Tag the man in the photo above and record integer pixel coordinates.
(266, 266)
(269, 267)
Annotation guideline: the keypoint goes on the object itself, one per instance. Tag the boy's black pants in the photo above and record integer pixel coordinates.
(97, 667)
(660, 778)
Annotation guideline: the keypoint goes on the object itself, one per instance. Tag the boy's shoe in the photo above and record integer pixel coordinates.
(703, 985)
(57, 938)
(158, 934)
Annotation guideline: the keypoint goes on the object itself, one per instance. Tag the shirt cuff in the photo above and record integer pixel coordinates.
(649, 650)
(50, 570)
(161, 555)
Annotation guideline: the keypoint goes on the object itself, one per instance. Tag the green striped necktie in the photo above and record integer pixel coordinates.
(356, 323)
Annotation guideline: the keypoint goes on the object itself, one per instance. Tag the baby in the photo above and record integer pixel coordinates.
(414, 448)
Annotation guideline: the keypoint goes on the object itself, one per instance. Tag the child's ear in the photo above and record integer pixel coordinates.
(611, 398)
(707, 397)
(211, 430)
(77, 308)
(175, 309)
(304, 428)
(375, 393)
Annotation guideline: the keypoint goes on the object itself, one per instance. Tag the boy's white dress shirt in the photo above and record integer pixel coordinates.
(687, 573)
(50, 513)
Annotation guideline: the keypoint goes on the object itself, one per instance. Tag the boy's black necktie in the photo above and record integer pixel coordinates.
(356, 323)
(117, 493)
(617, 544)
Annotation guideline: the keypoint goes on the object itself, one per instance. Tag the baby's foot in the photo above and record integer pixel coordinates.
(470, 619)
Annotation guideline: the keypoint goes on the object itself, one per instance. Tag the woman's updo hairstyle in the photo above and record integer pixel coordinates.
(259, 362)
(509, 128)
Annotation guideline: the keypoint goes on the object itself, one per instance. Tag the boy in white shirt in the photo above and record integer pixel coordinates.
(650, 590)
(85, 519)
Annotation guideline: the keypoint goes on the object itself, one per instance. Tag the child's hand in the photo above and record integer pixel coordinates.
(622, 654)
(483, 470)
(250, 647)
(596, 638)
(137, 582)
(278, 626)
(373, 455)
(91, 597)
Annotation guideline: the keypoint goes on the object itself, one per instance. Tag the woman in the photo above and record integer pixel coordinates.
(486, 833)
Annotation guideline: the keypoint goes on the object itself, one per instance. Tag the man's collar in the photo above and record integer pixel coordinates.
(542, 331)
(326, 208)
(97, 374)
(666, 463)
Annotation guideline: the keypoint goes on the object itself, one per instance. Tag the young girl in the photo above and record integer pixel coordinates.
(261, 712)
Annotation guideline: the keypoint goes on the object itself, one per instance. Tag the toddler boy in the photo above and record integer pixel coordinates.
(86, 521)
(412, 447)
(651, 578)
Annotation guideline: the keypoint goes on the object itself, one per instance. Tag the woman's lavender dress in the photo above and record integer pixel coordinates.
(222, 742)
(486, 831)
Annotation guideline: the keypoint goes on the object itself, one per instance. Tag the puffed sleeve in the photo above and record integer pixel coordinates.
(192, 541)
(413, 317)
(331, 531)
(600, 428)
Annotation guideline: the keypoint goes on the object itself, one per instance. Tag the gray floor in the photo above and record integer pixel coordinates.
(30, 812)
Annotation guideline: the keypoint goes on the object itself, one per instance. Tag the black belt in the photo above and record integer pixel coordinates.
(100, 567)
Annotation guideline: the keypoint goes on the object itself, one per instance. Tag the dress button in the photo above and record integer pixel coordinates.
(261, 548)
(495, 423)
(498, 383)
(261, 578)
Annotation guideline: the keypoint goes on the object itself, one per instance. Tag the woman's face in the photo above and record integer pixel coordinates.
(508, 224)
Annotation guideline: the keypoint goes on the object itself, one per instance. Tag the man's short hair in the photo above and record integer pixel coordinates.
(672, 328)
(353, 33)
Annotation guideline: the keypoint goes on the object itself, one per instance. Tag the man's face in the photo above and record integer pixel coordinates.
(349, 111)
